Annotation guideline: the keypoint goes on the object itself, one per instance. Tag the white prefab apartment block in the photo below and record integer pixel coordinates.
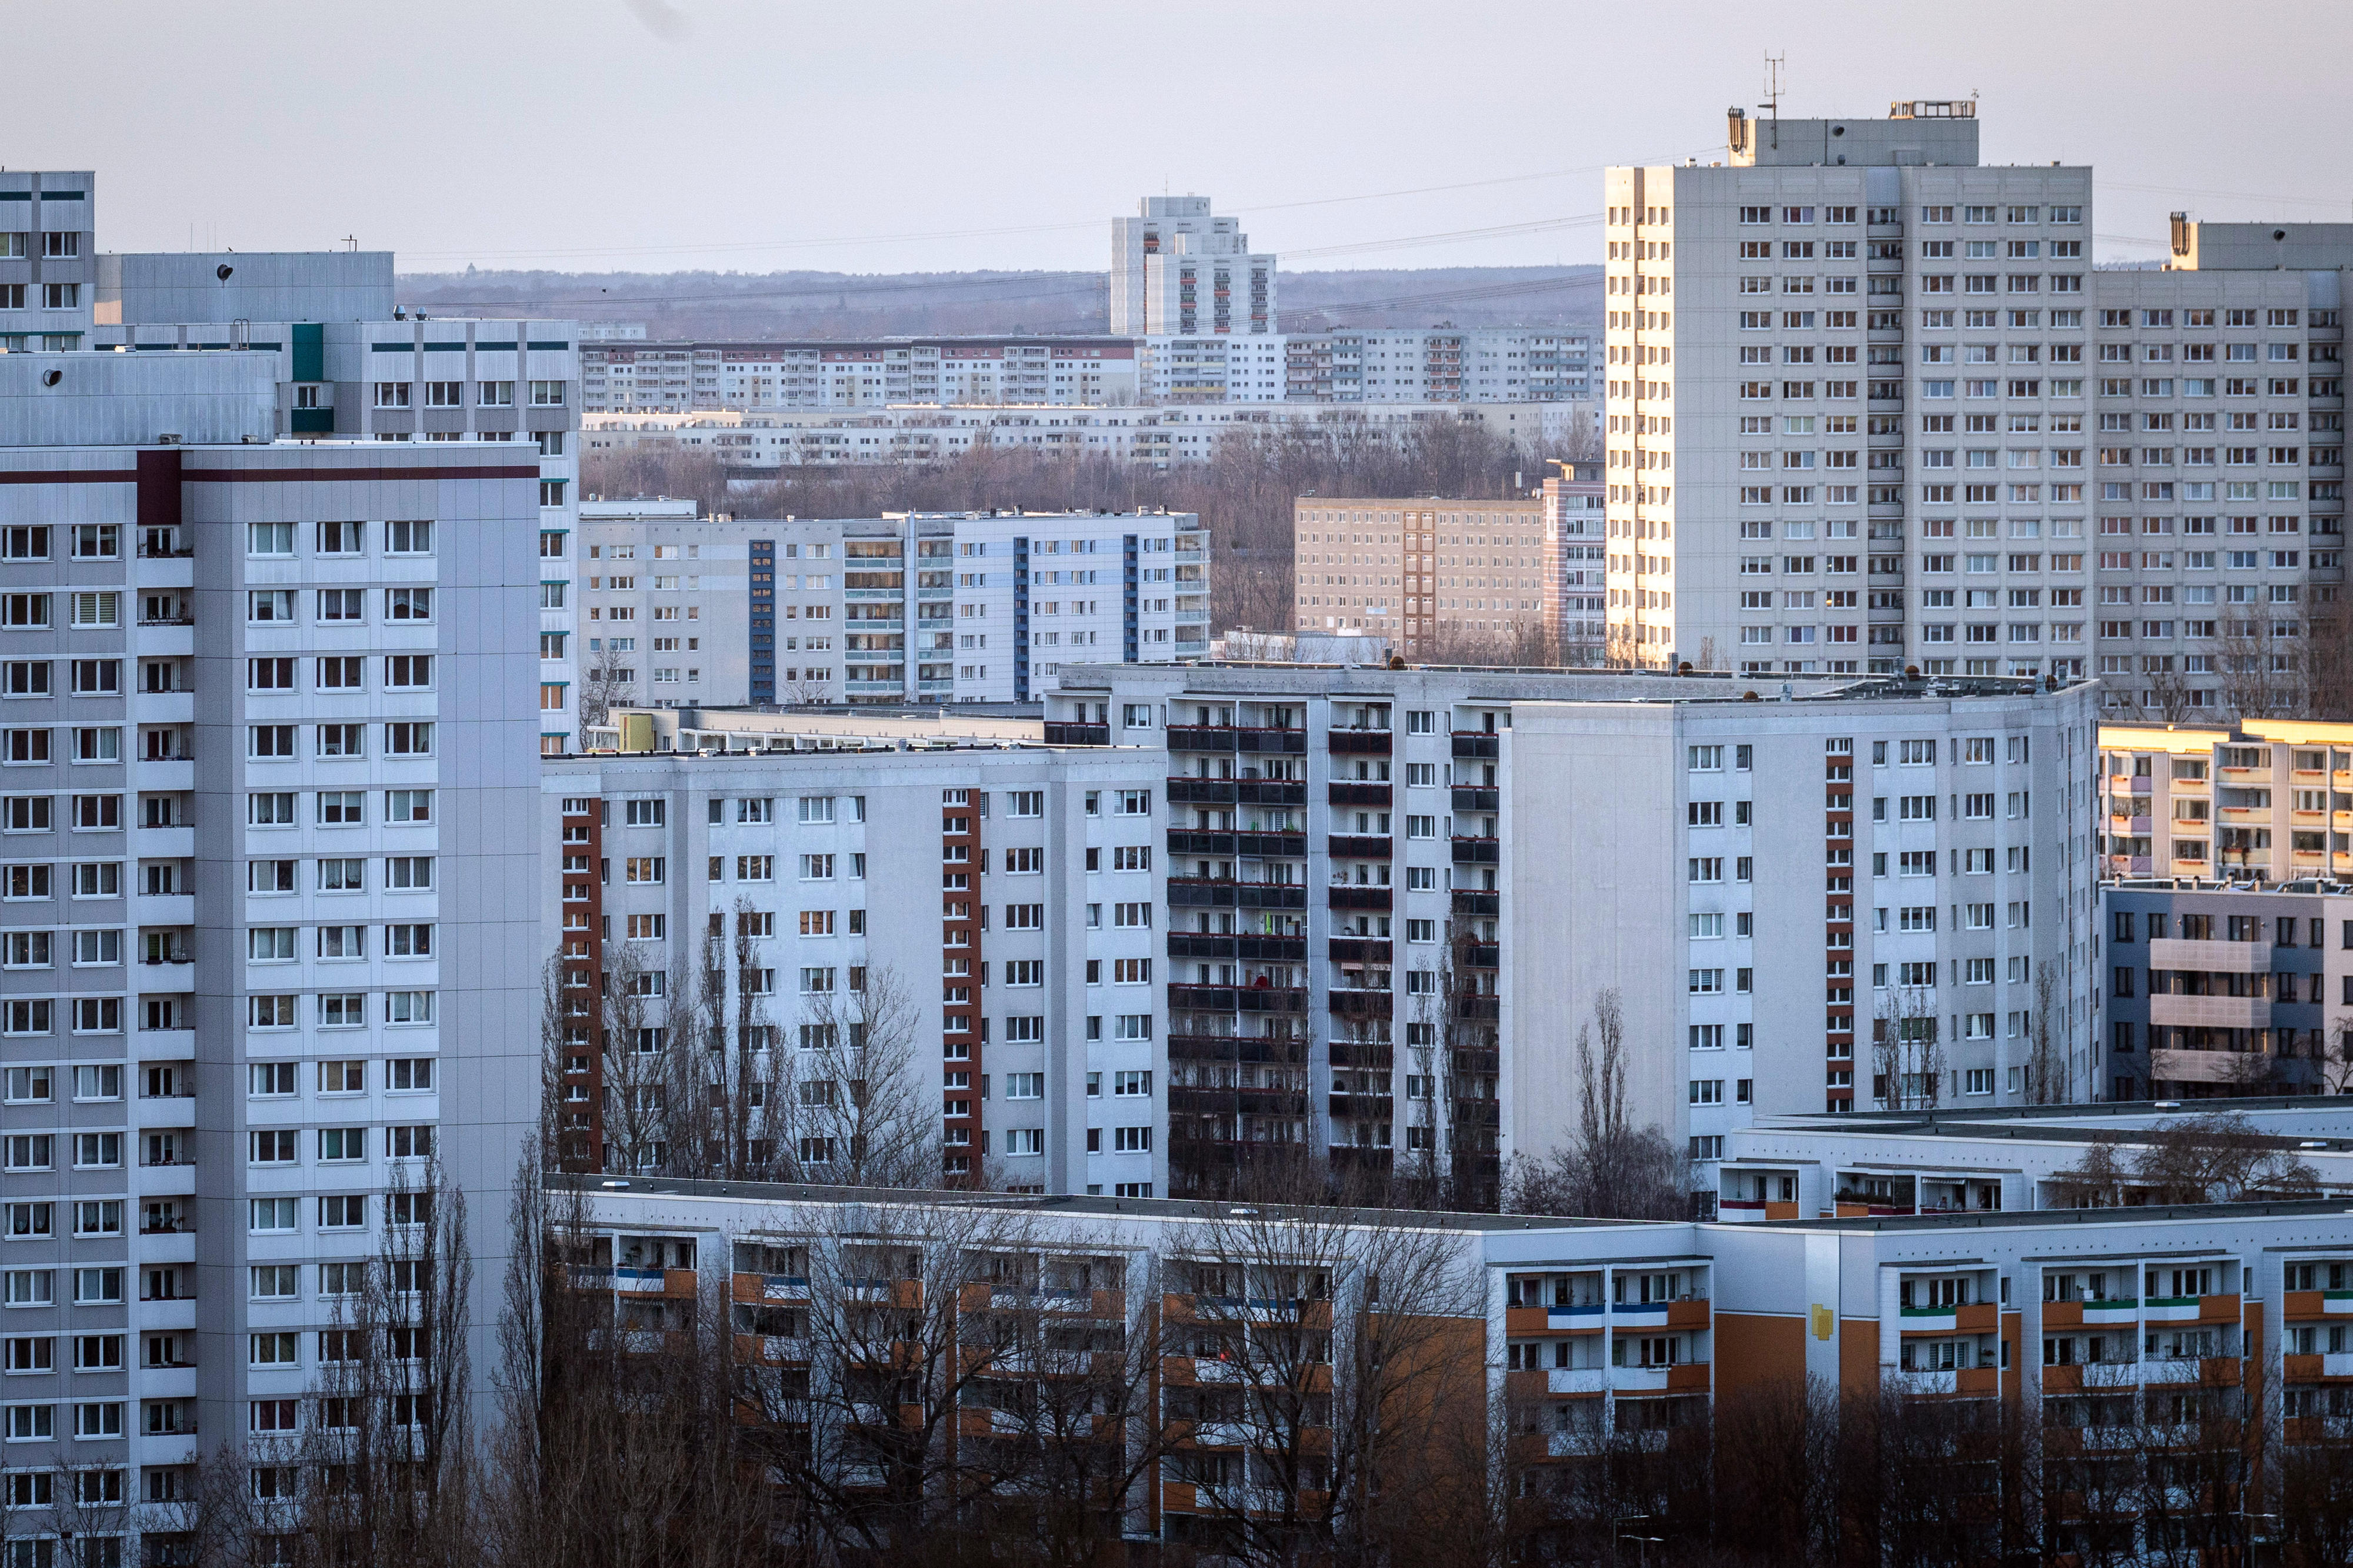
(754, 446)
(682, 377)
(1394, 895)
(1870, 408)
(1011, 890)
(368, 376)
(1478, 364)
(48, 258)
(269, 841)
(1178, 270)
(907, 608)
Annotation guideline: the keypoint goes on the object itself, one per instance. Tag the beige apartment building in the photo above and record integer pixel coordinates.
(1441, 574)
(2270, 801)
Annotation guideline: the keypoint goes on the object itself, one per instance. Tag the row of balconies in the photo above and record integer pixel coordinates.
(1217, 892)
(1681, 1377)
(1184, 790)
(1236, 738)
(1203, 944)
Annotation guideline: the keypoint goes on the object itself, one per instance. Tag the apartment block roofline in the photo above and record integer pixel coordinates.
(1957, 1121)
(1071, 1204)
(2138, 1217)
(1844, 689)
(1207, 1211)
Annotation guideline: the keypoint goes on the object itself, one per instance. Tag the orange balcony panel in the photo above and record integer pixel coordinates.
(2218, 1308)
(1977, 1380)
(2220, 1372)
(1526, 1320)
(2062, 1314)
(2062, 1380)
(2303, 1304)
(679, 1282)
(1976, 1318)
(2300, 1369)
(1689, 1378)
(1178, 1497)
(1687, 1314)
(1780, 1211)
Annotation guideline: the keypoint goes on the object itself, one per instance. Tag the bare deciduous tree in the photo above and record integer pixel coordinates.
(2209, 1159)
(2049, 1064)
(1609, 1169)
(635, 1113)
(1336, 1361)
(387, 1464)
(1907, 1058)
(869, 1106)
(608, 681)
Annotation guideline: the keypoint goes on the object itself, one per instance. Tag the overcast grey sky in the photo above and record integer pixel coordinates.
(888, 135)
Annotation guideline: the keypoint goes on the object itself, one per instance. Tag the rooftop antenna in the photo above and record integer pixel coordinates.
(352, 240)
(1773, 64)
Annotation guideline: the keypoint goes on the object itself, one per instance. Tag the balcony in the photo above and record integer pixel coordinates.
(1262, 948)
(1358, 950)
(1363, 1107)
(1276, 846)
(1683, 1377)
(1063, 734)
(1367, 1003)
(1477, 798)
(2307, 1305)
(1481, 956)
(2205, 1067)
(1968, 1318)
(1238, 998)
(1349, 896)
(1238, 1048)
(2210, 1012)
(1353, 792)
(1359, 742)
(1212, 892)
(1480, 1009)
(1359, 846)
(1474, 744)
(1471, 901)
(2209, 1372)
(1202, 738)
(1185, 790)
(2213, 957)
(2221, 1307)
(2314, 1368)
(1974, 1382)
(1198, 841)
(1469, 851)
(1229, 1099)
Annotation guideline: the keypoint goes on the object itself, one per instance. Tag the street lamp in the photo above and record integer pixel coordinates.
(1644, 1542)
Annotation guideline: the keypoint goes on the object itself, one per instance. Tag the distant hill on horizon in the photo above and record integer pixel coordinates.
(706, 305)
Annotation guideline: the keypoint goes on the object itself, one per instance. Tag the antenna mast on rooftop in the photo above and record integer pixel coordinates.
(1773, 64)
